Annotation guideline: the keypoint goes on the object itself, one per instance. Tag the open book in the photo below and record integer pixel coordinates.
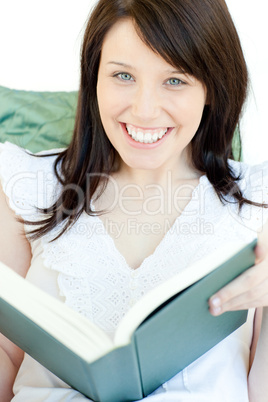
(161, 334)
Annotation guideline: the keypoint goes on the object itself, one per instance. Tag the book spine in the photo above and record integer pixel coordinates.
(117, 376)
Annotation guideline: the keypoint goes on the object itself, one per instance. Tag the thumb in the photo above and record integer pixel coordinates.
(260, 252)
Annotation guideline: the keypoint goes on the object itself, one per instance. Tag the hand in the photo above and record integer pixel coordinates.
(249, 290)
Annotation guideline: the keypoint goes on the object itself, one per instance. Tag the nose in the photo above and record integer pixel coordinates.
(145, 102)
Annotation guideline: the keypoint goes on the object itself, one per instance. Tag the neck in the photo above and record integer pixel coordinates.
(179, 172)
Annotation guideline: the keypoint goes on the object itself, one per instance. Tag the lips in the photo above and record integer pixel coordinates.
(146, 136)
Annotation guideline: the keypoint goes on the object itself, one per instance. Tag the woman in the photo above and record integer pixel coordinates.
(162, 88)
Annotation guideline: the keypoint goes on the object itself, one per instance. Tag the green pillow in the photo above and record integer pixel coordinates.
(37, 120)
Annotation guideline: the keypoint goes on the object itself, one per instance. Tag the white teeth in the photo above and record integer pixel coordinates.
(147, 137)
(155, 137)
(140, 136)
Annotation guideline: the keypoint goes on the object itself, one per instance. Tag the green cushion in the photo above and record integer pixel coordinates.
(37, 120)
(237, 146)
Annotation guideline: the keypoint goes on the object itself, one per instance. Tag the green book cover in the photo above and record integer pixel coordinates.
(165, 331)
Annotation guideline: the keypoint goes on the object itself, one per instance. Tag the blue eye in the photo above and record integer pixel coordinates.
(124, 76)
(174, 81)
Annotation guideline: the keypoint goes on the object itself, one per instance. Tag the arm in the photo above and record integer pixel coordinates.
(257, 379)
(14, 251)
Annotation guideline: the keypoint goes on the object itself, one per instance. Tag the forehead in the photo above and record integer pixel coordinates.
(123, 44)
(122, 36)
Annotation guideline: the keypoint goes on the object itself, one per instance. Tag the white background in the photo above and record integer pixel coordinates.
(40, 50)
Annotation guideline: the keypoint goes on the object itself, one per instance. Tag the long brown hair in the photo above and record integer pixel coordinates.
(196, 36)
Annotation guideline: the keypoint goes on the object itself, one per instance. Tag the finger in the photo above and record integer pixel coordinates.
(254, 298)
(246, 306)
(249, 286)
(250, 279)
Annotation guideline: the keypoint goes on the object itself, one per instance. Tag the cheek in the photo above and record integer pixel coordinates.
(108, 112)
(103, 100)
(191, 111)
(110, 98)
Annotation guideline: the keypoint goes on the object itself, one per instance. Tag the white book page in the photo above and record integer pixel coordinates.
(66, 325)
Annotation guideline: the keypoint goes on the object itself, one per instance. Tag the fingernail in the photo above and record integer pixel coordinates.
(216, 305)
(216, 302)
(216, 310)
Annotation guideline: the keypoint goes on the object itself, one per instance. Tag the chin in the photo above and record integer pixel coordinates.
(139, 164)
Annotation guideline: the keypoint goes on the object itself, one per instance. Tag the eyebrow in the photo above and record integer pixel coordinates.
(175, 72)
(118, 63)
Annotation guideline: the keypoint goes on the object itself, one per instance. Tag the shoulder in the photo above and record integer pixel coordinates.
(250, 177)
(27, 180)
(14, 157)
(253, 183)
(245, 168)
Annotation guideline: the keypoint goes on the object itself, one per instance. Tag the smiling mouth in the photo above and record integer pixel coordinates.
(145, 136)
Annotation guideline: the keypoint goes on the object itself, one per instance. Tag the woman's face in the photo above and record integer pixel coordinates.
(150, 111)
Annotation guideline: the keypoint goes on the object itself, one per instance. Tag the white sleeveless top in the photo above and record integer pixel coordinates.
(85, 270)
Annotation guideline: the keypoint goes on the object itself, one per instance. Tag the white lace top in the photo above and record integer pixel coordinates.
(84, 268)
